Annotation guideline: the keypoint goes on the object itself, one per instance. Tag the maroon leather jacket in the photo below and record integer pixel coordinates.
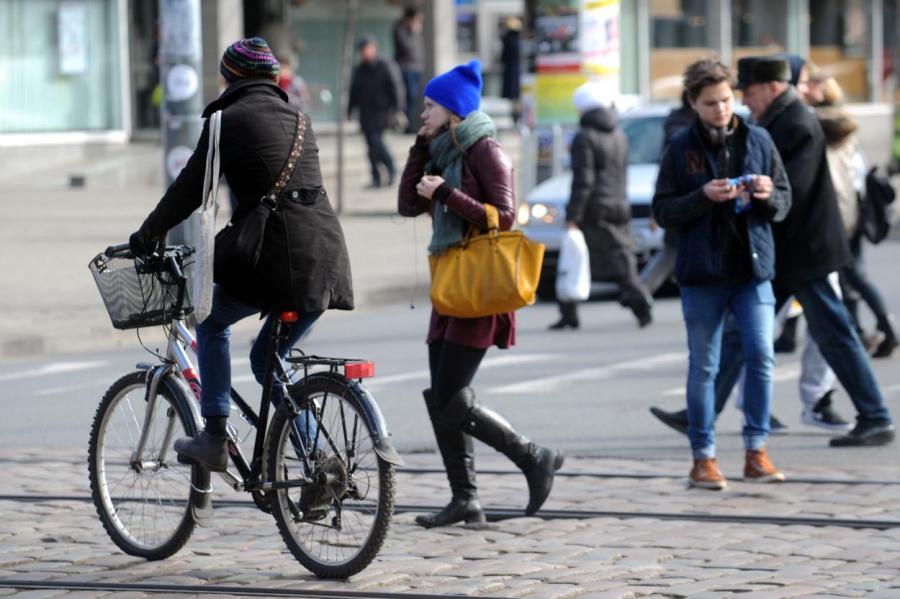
(487, 176)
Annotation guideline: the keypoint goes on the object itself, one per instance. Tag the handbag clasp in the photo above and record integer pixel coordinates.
(269, 201)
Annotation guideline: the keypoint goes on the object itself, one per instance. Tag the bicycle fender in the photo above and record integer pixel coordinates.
(369, 409)
(201, 486)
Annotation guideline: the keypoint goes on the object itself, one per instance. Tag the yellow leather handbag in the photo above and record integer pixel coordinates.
(486, 274)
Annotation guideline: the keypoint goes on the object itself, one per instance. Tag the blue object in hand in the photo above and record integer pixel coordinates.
(742, 202)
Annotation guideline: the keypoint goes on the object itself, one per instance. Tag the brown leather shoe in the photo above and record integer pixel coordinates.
(758, 468)
(706, 475)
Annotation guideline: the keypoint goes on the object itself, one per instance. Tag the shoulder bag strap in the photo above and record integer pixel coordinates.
(271, 198)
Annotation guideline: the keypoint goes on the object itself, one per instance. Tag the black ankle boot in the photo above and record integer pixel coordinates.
(539, 464)
(458, 455)
(459, 509)
(209, 451)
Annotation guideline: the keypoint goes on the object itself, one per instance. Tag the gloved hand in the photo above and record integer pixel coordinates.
(141, 245)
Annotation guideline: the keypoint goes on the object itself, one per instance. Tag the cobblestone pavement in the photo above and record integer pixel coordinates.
(518, 557)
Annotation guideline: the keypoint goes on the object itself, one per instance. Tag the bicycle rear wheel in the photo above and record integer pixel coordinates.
(336, 525)
(144, 506)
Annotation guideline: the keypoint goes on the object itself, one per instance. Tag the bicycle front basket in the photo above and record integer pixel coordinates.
(136, 299)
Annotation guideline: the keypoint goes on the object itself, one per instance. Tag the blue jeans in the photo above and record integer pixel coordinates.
(411, 81)
(214, 356)
(831, 328)
(704, 307)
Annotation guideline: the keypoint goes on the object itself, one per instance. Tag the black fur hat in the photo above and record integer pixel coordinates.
(762, 69)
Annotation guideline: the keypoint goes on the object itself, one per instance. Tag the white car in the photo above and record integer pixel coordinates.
(542, 216)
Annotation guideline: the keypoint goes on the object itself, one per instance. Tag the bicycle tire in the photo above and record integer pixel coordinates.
(361, 503)
(152, 518)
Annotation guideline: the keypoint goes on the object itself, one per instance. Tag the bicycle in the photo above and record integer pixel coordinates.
(323, 466)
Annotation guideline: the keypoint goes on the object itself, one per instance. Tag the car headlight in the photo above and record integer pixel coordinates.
(523, 214)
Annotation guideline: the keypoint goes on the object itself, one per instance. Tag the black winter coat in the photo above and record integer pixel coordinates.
(598, 203)
(810, 242)
(304, 263)
(376, 88)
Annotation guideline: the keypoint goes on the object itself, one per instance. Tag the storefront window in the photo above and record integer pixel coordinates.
(839, 40)
(680, 34)
(758, 28)
(59, 67)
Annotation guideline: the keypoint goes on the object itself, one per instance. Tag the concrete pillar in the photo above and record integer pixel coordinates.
(440, 37)
(223, 23)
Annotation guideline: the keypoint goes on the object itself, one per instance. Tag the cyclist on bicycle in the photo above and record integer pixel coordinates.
(303, 264)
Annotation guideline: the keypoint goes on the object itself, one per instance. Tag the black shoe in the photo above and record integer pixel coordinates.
(824, 416)
(205, 449)
(373, 185)
(886, 348)
(644, 317)
(540, 469)
(677, 420)
(562, 324)
(776, 426)
(785, 345)
(458, 510)
(866, 434)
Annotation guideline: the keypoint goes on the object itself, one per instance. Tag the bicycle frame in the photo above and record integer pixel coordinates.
(178, 366)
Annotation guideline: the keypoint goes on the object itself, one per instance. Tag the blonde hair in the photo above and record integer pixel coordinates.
(455, 120)
(832, 94)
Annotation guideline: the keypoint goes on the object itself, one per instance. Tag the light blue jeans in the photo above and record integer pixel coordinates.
(704, 307)
(214, 355)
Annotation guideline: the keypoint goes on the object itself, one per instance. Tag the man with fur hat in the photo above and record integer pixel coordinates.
(598, 205)
(810, 242)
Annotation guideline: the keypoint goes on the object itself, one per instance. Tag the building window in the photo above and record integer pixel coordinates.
(839, 43)
(758, 28)
(59, 67)
(680, 34)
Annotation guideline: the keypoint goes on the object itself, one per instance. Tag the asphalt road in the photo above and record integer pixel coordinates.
(587, 391)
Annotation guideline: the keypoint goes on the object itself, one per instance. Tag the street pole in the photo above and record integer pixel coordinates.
(343, 95)
(180, 60)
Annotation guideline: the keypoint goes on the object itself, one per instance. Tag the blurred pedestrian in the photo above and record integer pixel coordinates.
(511, 59)
(376, 90)
(259, 129)
(292, 84)
(409, 54)
(811, 243)
(454, 168)
(598, 204)
(726, 260)
(848, 171)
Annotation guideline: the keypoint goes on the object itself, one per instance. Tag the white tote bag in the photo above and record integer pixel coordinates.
(573, 271)
(205, 225)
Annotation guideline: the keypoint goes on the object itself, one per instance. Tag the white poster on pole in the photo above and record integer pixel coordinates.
(72, 38)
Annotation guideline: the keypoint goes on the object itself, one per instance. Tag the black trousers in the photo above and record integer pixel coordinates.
(379, 155)
(453, 368)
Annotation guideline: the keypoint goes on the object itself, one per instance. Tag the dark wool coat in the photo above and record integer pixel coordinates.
(487, 177)
(598, 202)
(376, 88)
(304, 263)
(810, 242)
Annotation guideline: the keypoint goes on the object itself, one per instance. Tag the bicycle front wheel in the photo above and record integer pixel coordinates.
(336, 525)
(143, 503)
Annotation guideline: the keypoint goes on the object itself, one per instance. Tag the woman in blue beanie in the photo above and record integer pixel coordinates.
(454, 168)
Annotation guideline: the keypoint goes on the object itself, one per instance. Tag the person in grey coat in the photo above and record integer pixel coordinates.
(598, 204)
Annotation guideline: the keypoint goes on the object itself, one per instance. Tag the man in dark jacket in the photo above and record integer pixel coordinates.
(811, 243)
(409, 54)
(376, 89)
(598, 204)
(303, 264)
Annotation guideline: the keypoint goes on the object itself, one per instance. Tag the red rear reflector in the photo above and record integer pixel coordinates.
(359, 370)
(289, 317)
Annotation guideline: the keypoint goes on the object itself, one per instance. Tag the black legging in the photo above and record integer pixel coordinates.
(452, 368)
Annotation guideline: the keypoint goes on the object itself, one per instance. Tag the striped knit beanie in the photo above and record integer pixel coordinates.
(249, 58)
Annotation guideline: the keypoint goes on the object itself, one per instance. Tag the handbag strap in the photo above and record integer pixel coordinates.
(493, 223)
(270, 200)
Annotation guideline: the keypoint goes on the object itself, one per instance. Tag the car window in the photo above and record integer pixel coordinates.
(645, 139)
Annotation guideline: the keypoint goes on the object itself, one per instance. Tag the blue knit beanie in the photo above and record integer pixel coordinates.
(458, 90)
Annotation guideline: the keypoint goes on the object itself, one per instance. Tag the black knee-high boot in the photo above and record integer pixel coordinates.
(539, 464)
(459, 462)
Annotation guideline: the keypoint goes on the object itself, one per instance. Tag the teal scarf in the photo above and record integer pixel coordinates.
(447, 227)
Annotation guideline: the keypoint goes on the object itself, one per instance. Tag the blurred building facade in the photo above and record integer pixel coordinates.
(86, 69)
